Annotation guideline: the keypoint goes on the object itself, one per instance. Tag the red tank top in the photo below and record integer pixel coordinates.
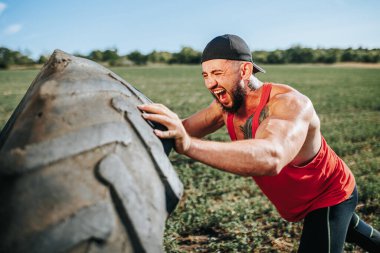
(297, 190)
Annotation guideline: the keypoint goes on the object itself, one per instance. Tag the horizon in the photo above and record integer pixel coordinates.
(38, 27)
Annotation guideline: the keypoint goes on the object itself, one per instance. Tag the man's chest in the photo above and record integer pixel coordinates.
(244, 127)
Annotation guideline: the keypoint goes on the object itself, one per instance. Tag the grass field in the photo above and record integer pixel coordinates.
(221, 212)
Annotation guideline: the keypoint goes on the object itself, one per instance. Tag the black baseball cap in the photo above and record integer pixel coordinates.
(229, 47)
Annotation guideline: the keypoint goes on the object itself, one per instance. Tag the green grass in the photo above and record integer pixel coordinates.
(221, 212)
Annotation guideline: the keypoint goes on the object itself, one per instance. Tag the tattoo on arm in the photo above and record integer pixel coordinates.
(264, 114)
(247, 127)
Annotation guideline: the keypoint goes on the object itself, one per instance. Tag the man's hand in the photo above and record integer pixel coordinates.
(161, 114)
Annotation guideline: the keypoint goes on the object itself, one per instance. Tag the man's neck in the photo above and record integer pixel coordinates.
(254, 83)
(251, 101)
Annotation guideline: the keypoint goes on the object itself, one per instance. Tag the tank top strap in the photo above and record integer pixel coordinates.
(230, 126)
(263, 101)
(255, 124)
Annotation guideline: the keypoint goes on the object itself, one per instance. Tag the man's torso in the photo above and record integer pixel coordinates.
(242, 120)
(315, 178)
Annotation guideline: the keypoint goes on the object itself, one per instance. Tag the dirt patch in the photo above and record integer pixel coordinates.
(357, 65)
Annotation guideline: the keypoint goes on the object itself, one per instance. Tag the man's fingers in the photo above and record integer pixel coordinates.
(151, 108)
(156, 109)
(165, 134)
(161, 114)
(162, 119)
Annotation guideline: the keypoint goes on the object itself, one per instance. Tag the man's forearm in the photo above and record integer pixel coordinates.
(245, 158)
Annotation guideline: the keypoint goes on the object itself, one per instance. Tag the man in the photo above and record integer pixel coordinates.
(276, 140)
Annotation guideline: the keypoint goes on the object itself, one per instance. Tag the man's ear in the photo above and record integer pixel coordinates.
(246, 69)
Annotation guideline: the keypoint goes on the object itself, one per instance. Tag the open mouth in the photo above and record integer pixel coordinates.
(221, 94)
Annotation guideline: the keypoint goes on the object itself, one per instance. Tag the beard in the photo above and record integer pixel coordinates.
(238, 95)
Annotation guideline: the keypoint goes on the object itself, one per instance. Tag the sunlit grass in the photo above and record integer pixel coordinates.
(224, 212)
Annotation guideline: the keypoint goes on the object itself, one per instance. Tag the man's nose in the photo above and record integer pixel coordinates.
(211, 83)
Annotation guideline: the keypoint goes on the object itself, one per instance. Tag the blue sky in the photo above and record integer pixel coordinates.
(83, 25)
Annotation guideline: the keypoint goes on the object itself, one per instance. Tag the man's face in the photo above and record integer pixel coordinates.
(222, 78)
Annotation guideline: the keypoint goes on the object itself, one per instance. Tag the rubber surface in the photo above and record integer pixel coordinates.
(80, 169)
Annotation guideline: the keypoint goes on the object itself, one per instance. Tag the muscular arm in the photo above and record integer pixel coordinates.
(205, 121)
(278, 140)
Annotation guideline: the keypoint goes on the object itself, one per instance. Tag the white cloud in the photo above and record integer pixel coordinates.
(12, 29)
(2, 7)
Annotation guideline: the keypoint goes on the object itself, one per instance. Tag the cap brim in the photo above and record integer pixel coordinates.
(257, 68)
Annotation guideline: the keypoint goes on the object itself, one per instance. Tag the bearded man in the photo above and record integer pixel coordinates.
(276, 139)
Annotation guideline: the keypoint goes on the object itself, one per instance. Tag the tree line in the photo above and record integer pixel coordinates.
(187, 55)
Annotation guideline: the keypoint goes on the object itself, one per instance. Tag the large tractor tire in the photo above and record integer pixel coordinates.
(80, 169)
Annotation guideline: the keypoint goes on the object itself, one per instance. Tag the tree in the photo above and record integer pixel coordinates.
(187, 55)
(298, 54)
(368, 56)
(137, 58)
(348, 55)
(159, 57)
(110, 55)
(42, 60)
(5, 58)
(276, 57)
(326, 55)
(96, 55)
(260, 56)
(9, 57)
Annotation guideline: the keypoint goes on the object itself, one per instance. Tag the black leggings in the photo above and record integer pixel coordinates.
(326, 229)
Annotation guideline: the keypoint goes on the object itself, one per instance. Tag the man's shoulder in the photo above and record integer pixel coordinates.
(285, 99)
(284, 92)
(279, 88)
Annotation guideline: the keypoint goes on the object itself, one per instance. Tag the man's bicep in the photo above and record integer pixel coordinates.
(281, 130)
(287, 126)
(204, 122)
(286, 137)
(288, 116)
